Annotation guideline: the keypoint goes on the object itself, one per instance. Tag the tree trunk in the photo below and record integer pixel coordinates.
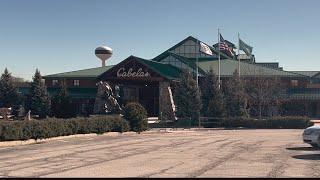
(260, 110)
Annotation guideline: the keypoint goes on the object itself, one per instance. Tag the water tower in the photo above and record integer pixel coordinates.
(103, 53)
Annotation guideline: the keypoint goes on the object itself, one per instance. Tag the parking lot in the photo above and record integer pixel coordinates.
(182, 153)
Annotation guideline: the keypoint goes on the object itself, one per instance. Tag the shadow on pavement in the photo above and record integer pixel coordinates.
(302, 148)
(307, 156)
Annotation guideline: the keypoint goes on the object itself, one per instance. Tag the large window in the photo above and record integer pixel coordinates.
(174, 62)
(190, 50)
(130, 94)
(55, 82)
(76, 82)
(294, 83)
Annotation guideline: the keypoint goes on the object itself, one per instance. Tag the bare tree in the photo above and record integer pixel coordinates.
(263, 92)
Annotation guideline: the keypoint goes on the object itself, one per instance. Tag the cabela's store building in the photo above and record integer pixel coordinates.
(151, 81)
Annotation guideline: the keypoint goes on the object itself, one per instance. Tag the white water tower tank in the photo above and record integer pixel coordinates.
(103, 53)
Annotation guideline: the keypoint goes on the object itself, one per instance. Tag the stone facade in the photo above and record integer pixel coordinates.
(166, 104)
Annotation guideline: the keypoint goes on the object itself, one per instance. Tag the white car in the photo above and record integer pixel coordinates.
(311, 135)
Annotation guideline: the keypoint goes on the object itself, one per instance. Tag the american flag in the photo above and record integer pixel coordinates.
(223, 46)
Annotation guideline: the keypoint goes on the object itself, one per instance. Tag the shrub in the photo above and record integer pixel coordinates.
(99, 125)
(119, 126)
(73, 125)
(10, 131)
(41, 129)
(27, 132)
(136, 115)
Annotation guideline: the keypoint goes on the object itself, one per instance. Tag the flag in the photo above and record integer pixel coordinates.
(205, 49)
(245, 47)
(223, 46)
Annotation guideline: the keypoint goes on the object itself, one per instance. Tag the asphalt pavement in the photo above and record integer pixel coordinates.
(180, 153)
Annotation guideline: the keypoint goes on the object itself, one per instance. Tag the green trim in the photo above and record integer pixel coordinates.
(163, 69)
(307, 73)
(166, 70)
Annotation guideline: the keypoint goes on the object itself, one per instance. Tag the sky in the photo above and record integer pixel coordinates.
(61, 35)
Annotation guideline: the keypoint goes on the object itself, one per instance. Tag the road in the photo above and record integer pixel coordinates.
(206, 153)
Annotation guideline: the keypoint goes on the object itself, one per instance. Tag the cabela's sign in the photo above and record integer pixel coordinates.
(130, 73)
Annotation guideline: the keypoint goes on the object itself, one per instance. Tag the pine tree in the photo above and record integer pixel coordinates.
(235, 97)
(8, 91)
(39, 100)
(212, 98)
(188, 99)
(62, 106)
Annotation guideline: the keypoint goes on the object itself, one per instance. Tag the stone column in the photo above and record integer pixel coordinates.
(166, 111)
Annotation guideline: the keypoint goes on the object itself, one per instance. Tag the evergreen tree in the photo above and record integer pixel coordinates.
(39, 101)
(235, 97)
(8, 91)
(62, 106)
(212, 98)
(188, 97)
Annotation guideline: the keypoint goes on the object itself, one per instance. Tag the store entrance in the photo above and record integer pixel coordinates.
(138, 81)
(146, 95)
(149, 98)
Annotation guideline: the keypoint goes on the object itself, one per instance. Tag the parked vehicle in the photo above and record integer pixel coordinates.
(311, 135)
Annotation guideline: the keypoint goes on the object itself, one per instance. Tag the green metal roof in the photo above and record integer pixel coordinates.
(166, 70)
(307, 73)
(204, 59)
(87, 73)
(229, 66)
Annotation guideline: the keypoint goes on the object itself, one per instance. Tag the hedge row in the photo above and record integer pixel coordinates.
(270, 123)
(41, 129)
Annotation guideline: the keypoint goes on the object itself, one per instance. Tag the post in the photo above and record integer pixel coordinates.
(197, 71)
(219, 78)
(238, 55)
(197, 56)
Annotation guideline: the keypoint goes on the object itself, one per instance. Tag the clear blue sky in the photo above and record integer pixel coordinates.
(61, 35)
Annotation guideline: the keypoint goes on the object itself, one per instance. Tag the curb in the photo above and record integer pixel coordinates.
(33, 141)
(184, 129)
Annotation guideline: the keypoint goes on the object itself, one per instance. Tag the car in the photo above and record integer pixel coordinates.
(311, 135)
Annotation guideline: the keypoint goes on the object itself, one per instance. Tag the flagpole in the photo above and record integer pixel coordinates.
(239, 54)
(219, 77)
(197, 55)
